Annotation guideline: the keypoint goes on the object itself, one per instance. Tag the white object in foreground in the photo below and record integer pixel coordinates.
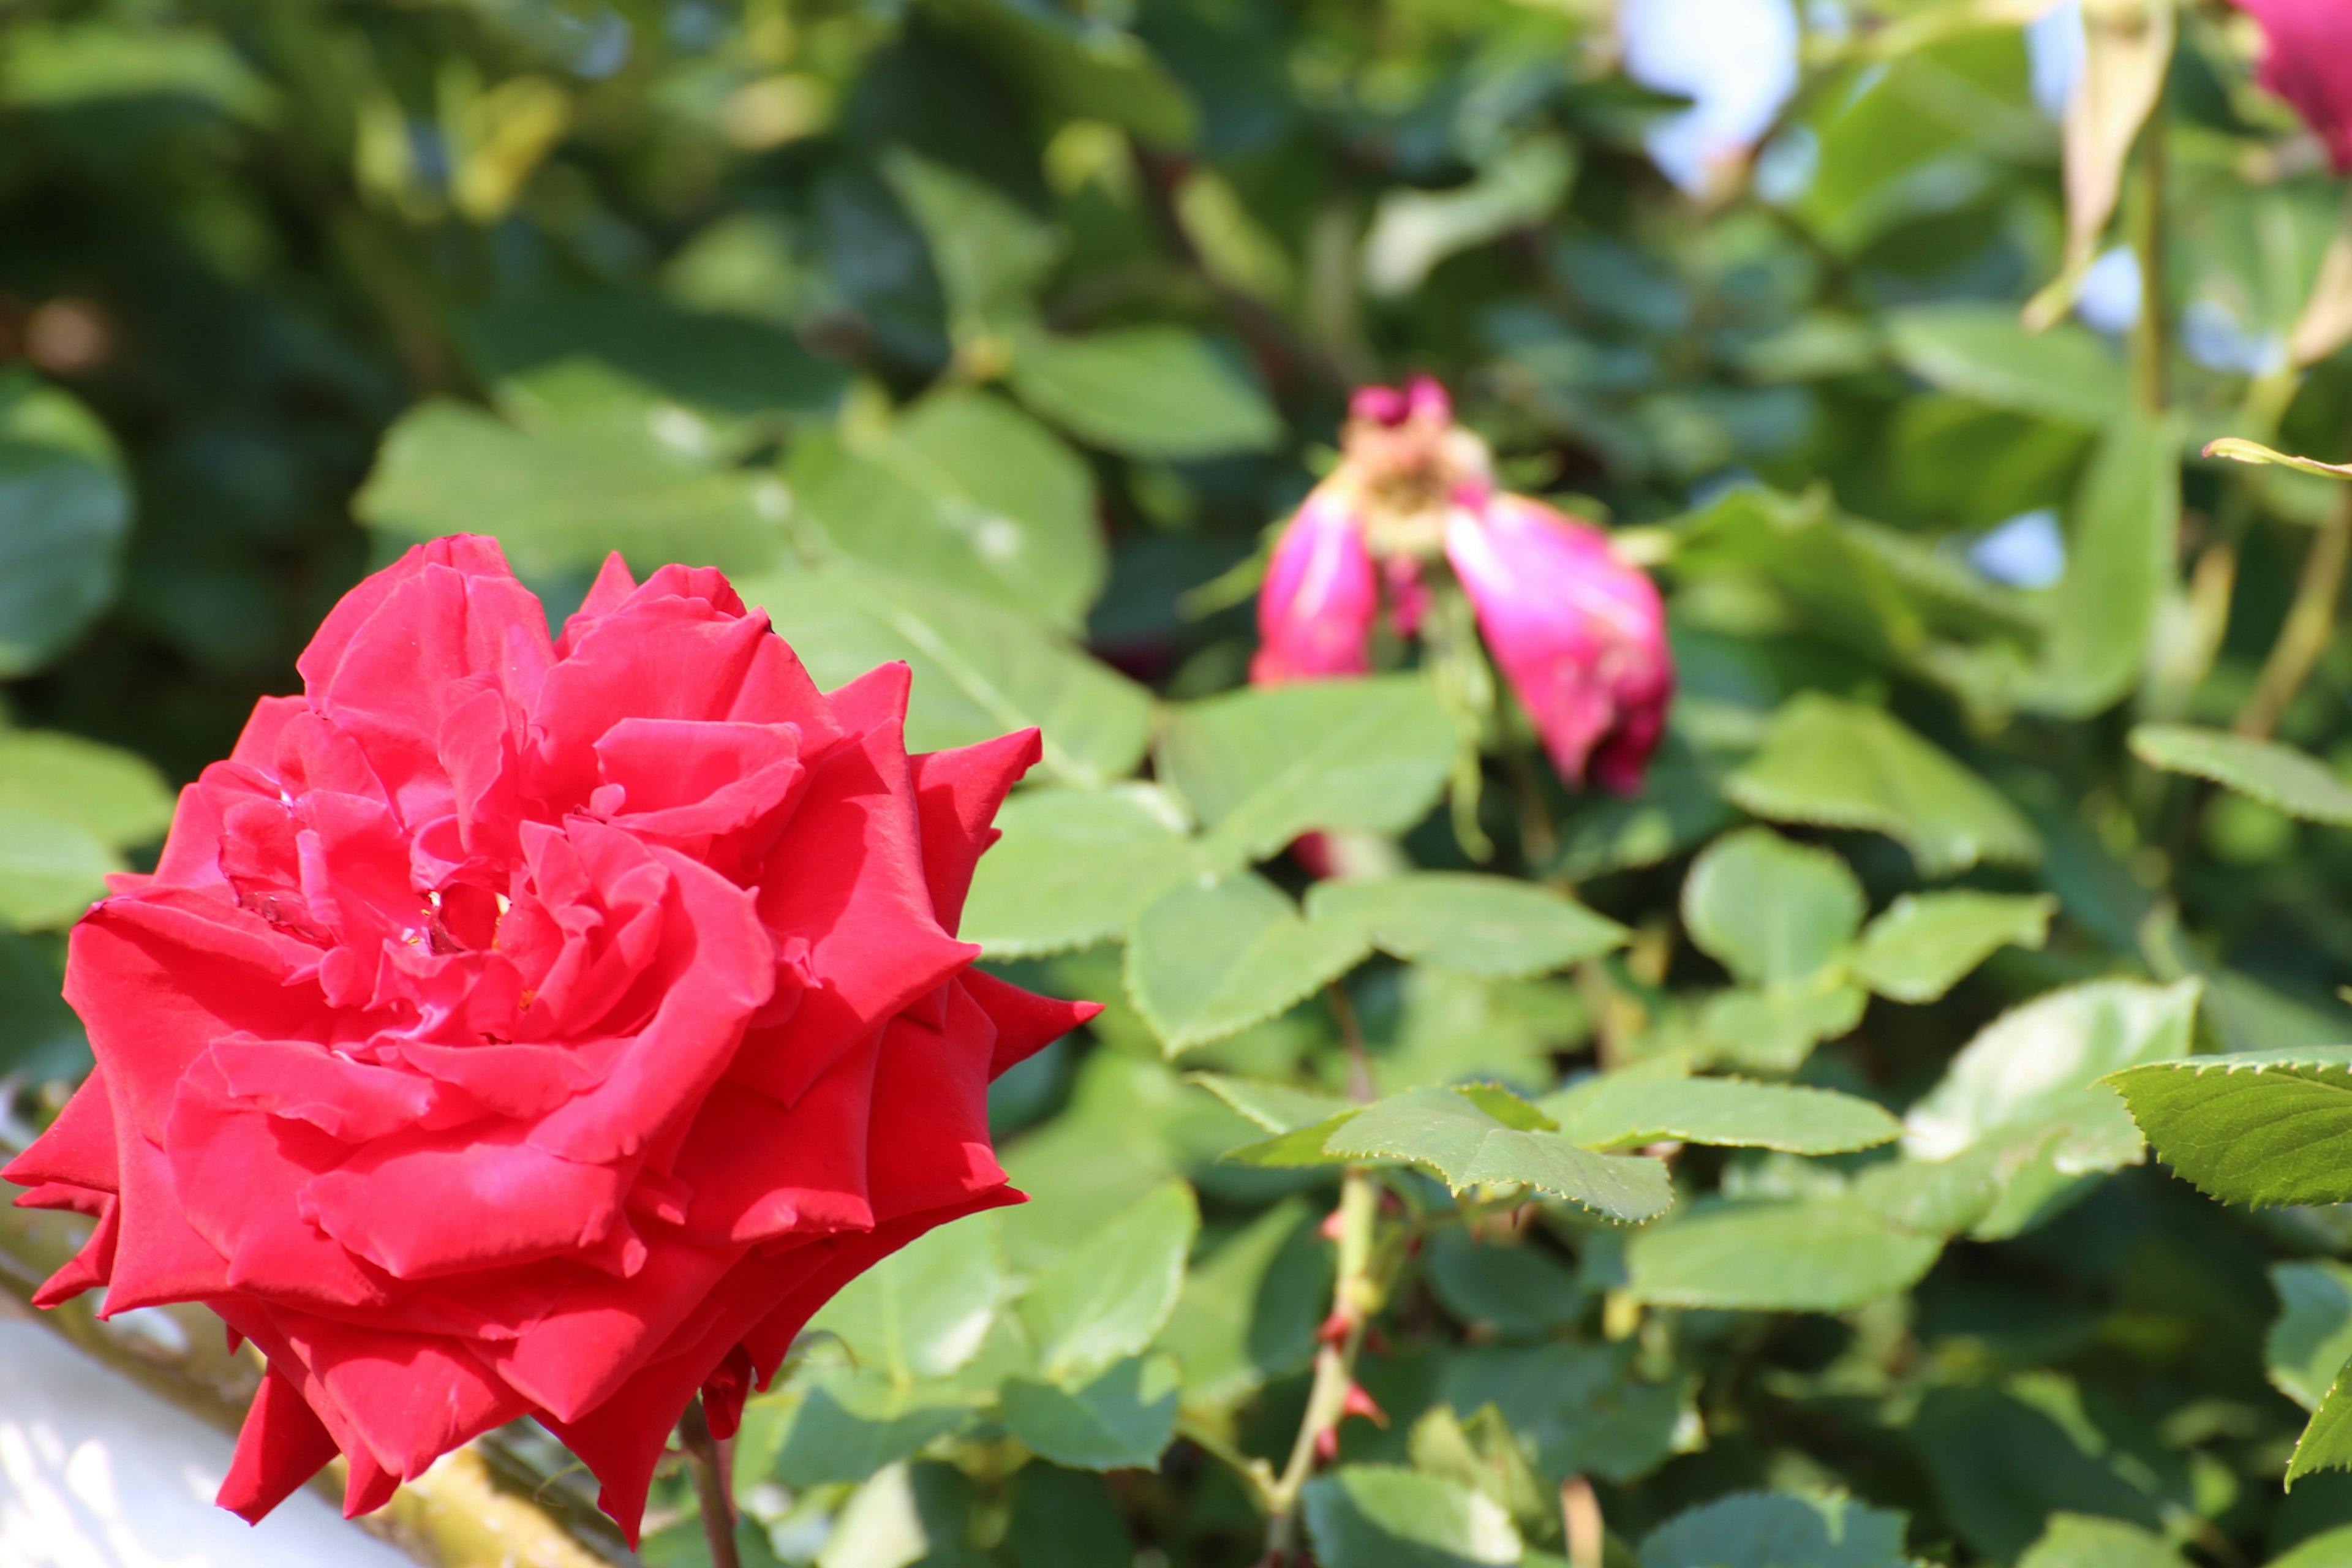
(95, 1472)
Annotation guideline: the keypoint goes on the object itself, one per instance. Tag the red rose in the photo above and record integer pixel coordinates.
(2307, 60)
(516, 1028)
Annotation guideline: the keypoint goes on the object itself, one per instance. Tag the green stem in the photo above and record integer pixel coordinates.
(2150, 345)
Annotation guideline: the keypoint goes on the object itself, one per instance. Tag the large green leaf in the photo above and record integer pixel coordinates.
(1775, 1028)
(1461, 1136)
(1143, 392)
(923, 1311)
(1835, 763)
(65, 512)
(979, 670)
(2251, 1127)
(1108, 1296)
(1768, 910)
(641, 477)
(2278, 775)
(1778, 1529)
(1494, 927)
(1981, 351)
(2086, 1541)
(2312, 1339)
(1261, 766)
(113, 795)
(1823, 1255)
(1925, 942)
(1073, 867)
(723, 367)
(1250, 1309)
(1206, 961)
(1120, 1418)
(854, 1423)
(1617, 1110)
(1379, 1516)
(989, 255)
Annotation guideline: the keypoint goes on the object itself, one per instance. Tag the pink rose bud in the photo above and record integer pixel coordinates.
(526, 1027)
(2307, 60)
(1580, 634)
(1315, 612)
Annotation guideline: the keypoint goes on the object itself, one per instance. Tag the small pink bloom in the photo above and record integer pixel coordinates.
(1581, 636)
(1315, 612)
(2307, 60)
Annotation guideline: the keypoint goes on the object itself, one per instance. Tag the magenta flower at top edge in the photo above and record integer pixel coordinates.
(1580, 634)
(2307, 60)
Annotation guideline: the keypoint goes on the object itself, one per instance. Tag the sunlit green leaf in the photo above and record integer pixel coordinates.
(2278, 775)
(1770, 909)
(1074, 867)
(1143, 392)
(1925, 942)
(1205, 961)
(2249, 1127)
(1108, 1296)
(1818, 1256)
(64, 512)
(1617, 1110)
(1468, 1146)
(1379, 1516)
(1488, 926)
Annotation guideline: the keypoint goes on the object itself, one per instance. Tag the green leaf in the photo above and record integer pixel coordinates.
(922, 1312)
(1769, 909)
(2120, 564)
(2312, 1338)
(1835, 763)
(722, 367)
(1298, 1148)
(1467, 1145)
(2279, 776)
(2327, 1441)
(640, 478)
(1122, 1418)
(1493, 927)
(1579, 1405)
(1615, 1111)
(1776, 1028)
(1517, 1291)
(1925, 942)
(115, 796)
(1261, 766)
(1206, 961)
(1110, 1295)
(40, 1037)
(1277, 1107)
(980, 672)
(1073, 867)
(2086, 1541)
(1412, 230)
(64, 512)
(2328, 1549)
(1952, 1195)
(1982, 352)
(1250, 1309)
(854, 1423)
(1380, 1516)
(1823, 1255)
(1085, 69)
(1778, 1529)
(1143, 392)
(2251, 1127)
(991, 256)
(97, 64)
(51, 869)
(2238, 450)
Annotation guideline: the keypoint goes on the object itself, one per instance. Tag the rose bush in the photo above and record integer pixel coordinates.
(516, 1028)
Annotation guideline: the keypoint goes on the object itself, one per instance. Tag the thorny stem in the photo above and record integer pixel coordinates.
(1354, 1298)
(2310, 624)
(711, 1460)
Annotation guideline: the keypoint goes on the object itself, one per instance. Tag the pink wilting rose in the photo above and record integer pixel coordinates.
(527, 1029)
(1579, 634)
(2307, 60)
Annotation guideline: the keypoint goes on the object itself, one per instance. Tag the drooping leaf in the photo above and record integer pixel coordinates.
(1108, 1296)
(2312, 1338)
(1769, 909)
(1466, 1145)
(1074, 867)
(2249, 1127)
(1494, 927)
(979, 671)
(1616, 1110)
(2278, 775)
(1778, 1529)
(1380, 1516)
(1207, 962)
(1122, 1418)
(64, 512)
(1818, 1256)
(1923, 942)
(1143, 392)
(2238, 450)
(1261, 766)
(1835, 763)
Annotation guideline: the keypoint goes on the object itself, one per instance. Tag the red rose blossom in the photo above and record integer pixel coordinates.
(515, 1028)
(2307, 60)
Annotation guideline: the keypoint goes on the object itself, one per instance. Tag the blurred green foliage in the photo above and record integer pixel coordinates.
(992, 335)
